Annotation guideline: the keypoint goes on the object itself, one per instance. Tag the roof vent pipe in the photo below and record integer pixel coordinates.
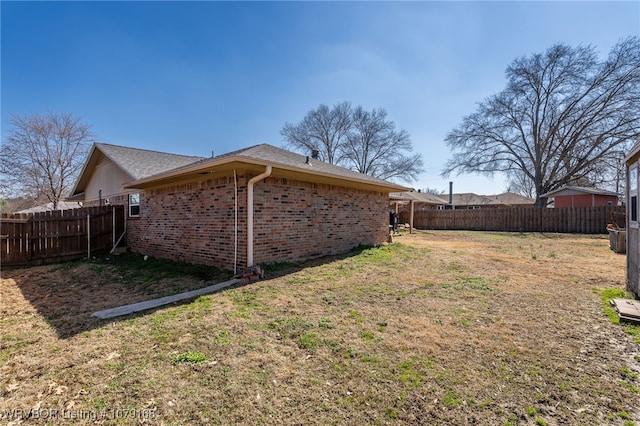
(315, 153)
(451, 193)
(307, 161)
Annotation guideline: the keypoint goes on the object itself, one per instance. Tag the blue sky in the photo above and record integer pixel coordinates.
(196, 77)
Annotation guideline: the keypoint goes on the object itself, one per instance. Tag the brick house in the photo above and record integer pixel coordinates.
(257, 205)
(575, 196)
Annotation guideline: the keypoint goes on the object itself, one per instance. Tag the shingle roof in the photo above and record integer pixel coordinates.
(470, 199)
(141, 163)
(62, 205)
(276, 155)
(465, 199)
(136, 163)
(420, 197)
(265, 154)
(512, 199)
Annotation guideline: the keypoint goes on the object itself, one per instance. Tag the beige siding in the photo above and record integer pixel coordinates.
(109, 178)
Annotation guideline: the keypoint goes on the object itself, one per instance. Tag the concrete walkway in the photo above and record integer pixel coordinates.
(154, 303)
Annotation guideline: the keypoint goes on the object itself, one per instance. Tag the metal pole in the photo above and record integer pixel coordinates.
(411, 217)
(113, 233)
(88, 236)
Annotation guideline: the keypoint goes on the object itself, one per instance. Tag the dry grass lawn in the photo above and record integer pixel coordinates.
(439, 328)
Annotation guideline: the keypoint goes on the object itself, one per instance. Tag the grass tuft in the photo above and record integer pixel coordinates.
(190, 358)
(309, 341)
(606, 296)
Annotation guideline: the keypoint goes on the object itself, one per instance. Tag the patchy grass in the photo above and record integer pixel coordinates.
(437, 328)
(607, 295)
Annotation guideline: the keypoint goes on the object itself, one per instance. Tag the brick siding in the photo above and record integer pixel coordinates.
(193, 222)
(293, 220)
(296, 220)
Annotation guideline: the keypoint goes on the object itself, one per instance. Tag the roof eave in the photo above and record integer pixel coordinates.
(589, 191)
(190, 171)
(75, 197)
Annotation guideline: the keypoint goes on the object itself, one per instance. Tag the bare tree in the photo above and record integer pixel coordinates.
(433, 191)
(519, 183)
(374, 147)
(360, 140)
(563, 117)
(43, 154)
(323, 129)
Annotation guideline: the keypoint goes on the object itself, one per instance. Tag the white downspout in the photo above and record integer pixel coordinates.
(235, 224)
(253, 180)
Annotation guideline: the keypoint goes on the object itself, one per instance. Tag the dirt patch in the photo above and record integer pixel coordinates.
(440, 328)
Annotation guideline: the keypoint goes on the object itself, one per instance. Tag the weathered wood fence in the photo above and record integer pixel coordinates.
(574, 220)
(53, 236)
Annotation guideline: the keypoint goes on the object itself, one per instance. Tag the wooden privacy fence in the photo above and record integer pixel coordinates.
(574, 220)
(53, 236)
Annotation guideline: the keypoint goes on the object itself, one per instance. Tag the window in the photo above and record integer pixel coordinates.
(134, 205)
(633, 193)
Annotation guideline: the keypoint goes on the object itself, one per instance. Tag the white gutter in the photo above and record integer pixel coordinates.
(253, 180)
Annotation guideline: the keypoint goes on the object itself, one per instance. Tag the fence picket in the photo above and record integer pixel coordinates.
(36, 238)
(583, 220)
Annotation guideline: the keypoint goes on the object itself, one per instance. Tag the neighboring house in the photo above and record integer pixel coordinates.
(257, 205)
(467, 201)
(575, 196)
(409, 201)
(421, 200)
(62, 205)
(509, 199)
(470, 201)
(633, 220)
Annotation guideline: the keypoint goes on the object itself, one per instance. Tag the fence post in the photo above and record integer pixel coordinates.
(29, 243)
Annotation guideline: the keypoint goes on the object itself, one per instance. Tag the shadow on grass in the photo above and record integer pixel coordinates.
(67, 294)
